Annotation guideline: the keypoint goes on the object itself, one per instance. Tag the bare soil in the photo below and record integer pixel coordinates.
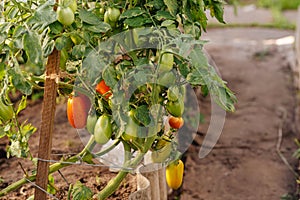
(244, 164)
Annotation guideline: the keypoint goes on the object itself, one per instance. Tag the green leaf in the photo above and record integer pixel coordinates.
(2, 132)
(33, 49)
(56, 27)
(172, 6)
(109, 76)
(163, 15)
(142, 115)
(48, 48)
(89, 17)
(20, 82)
(137, 21)
(2, 71)
(133, 12)
(99, 28)
(216, 10)
(78, 51)
(204, 90)
(44, 15)
(50, 187)
(168, 23)
(156, 4)
(93, 66)
(63, 42)
(15, 149)
(81, 192)
(19, 31)
(22, 104)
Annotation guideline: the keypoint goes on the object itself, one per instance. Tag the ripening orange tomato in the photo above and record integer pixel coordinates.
(103, 89)
(77, 110)
(176, 122)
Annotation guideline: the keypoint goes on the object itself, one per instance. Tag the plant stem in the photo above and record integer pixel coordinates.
(106, 150)
(53, 168)
(114, 183)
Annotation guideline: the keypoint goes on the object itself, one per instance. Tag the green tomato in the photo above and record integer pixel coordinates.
(132, 128)
(101, 11)
(166, 79)
(161, 155)
(6, 111)
(175, 108)
(63, 59)
(65, 15)
(113, 14)
(69, 3)
(103, 129)
(91, 123)
(107, 20)
(166, 62)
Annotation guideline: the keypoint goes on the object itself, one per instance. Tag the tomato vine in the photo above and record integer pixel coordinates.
(131, 59)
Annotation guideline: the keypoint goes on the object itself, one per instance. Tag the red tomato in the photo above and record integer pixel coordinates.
(77, 110)
(176, 122)
(103, 89)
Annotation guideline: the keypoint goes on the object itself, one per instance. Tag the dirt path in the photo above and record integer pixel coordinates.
(244, 164)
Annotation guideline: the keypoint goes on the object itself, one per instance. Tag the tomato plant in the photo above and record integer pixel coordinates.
(138, 55)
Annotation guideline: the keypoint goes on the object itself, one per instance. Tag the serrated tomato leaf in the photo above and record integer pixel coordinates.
(133, 12)
(89, 17)
(81, 192)
(33, 48)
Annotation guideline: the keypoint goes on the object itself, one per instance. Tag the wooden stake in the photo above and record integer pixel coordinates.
(46, 129)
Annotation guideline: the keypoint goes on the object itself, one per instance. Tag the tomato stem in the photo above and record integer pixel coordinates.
(106, 150)
(114, 183)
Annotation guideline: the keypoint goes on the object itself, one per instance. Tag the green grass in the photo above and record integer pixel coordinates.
(281, 4)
